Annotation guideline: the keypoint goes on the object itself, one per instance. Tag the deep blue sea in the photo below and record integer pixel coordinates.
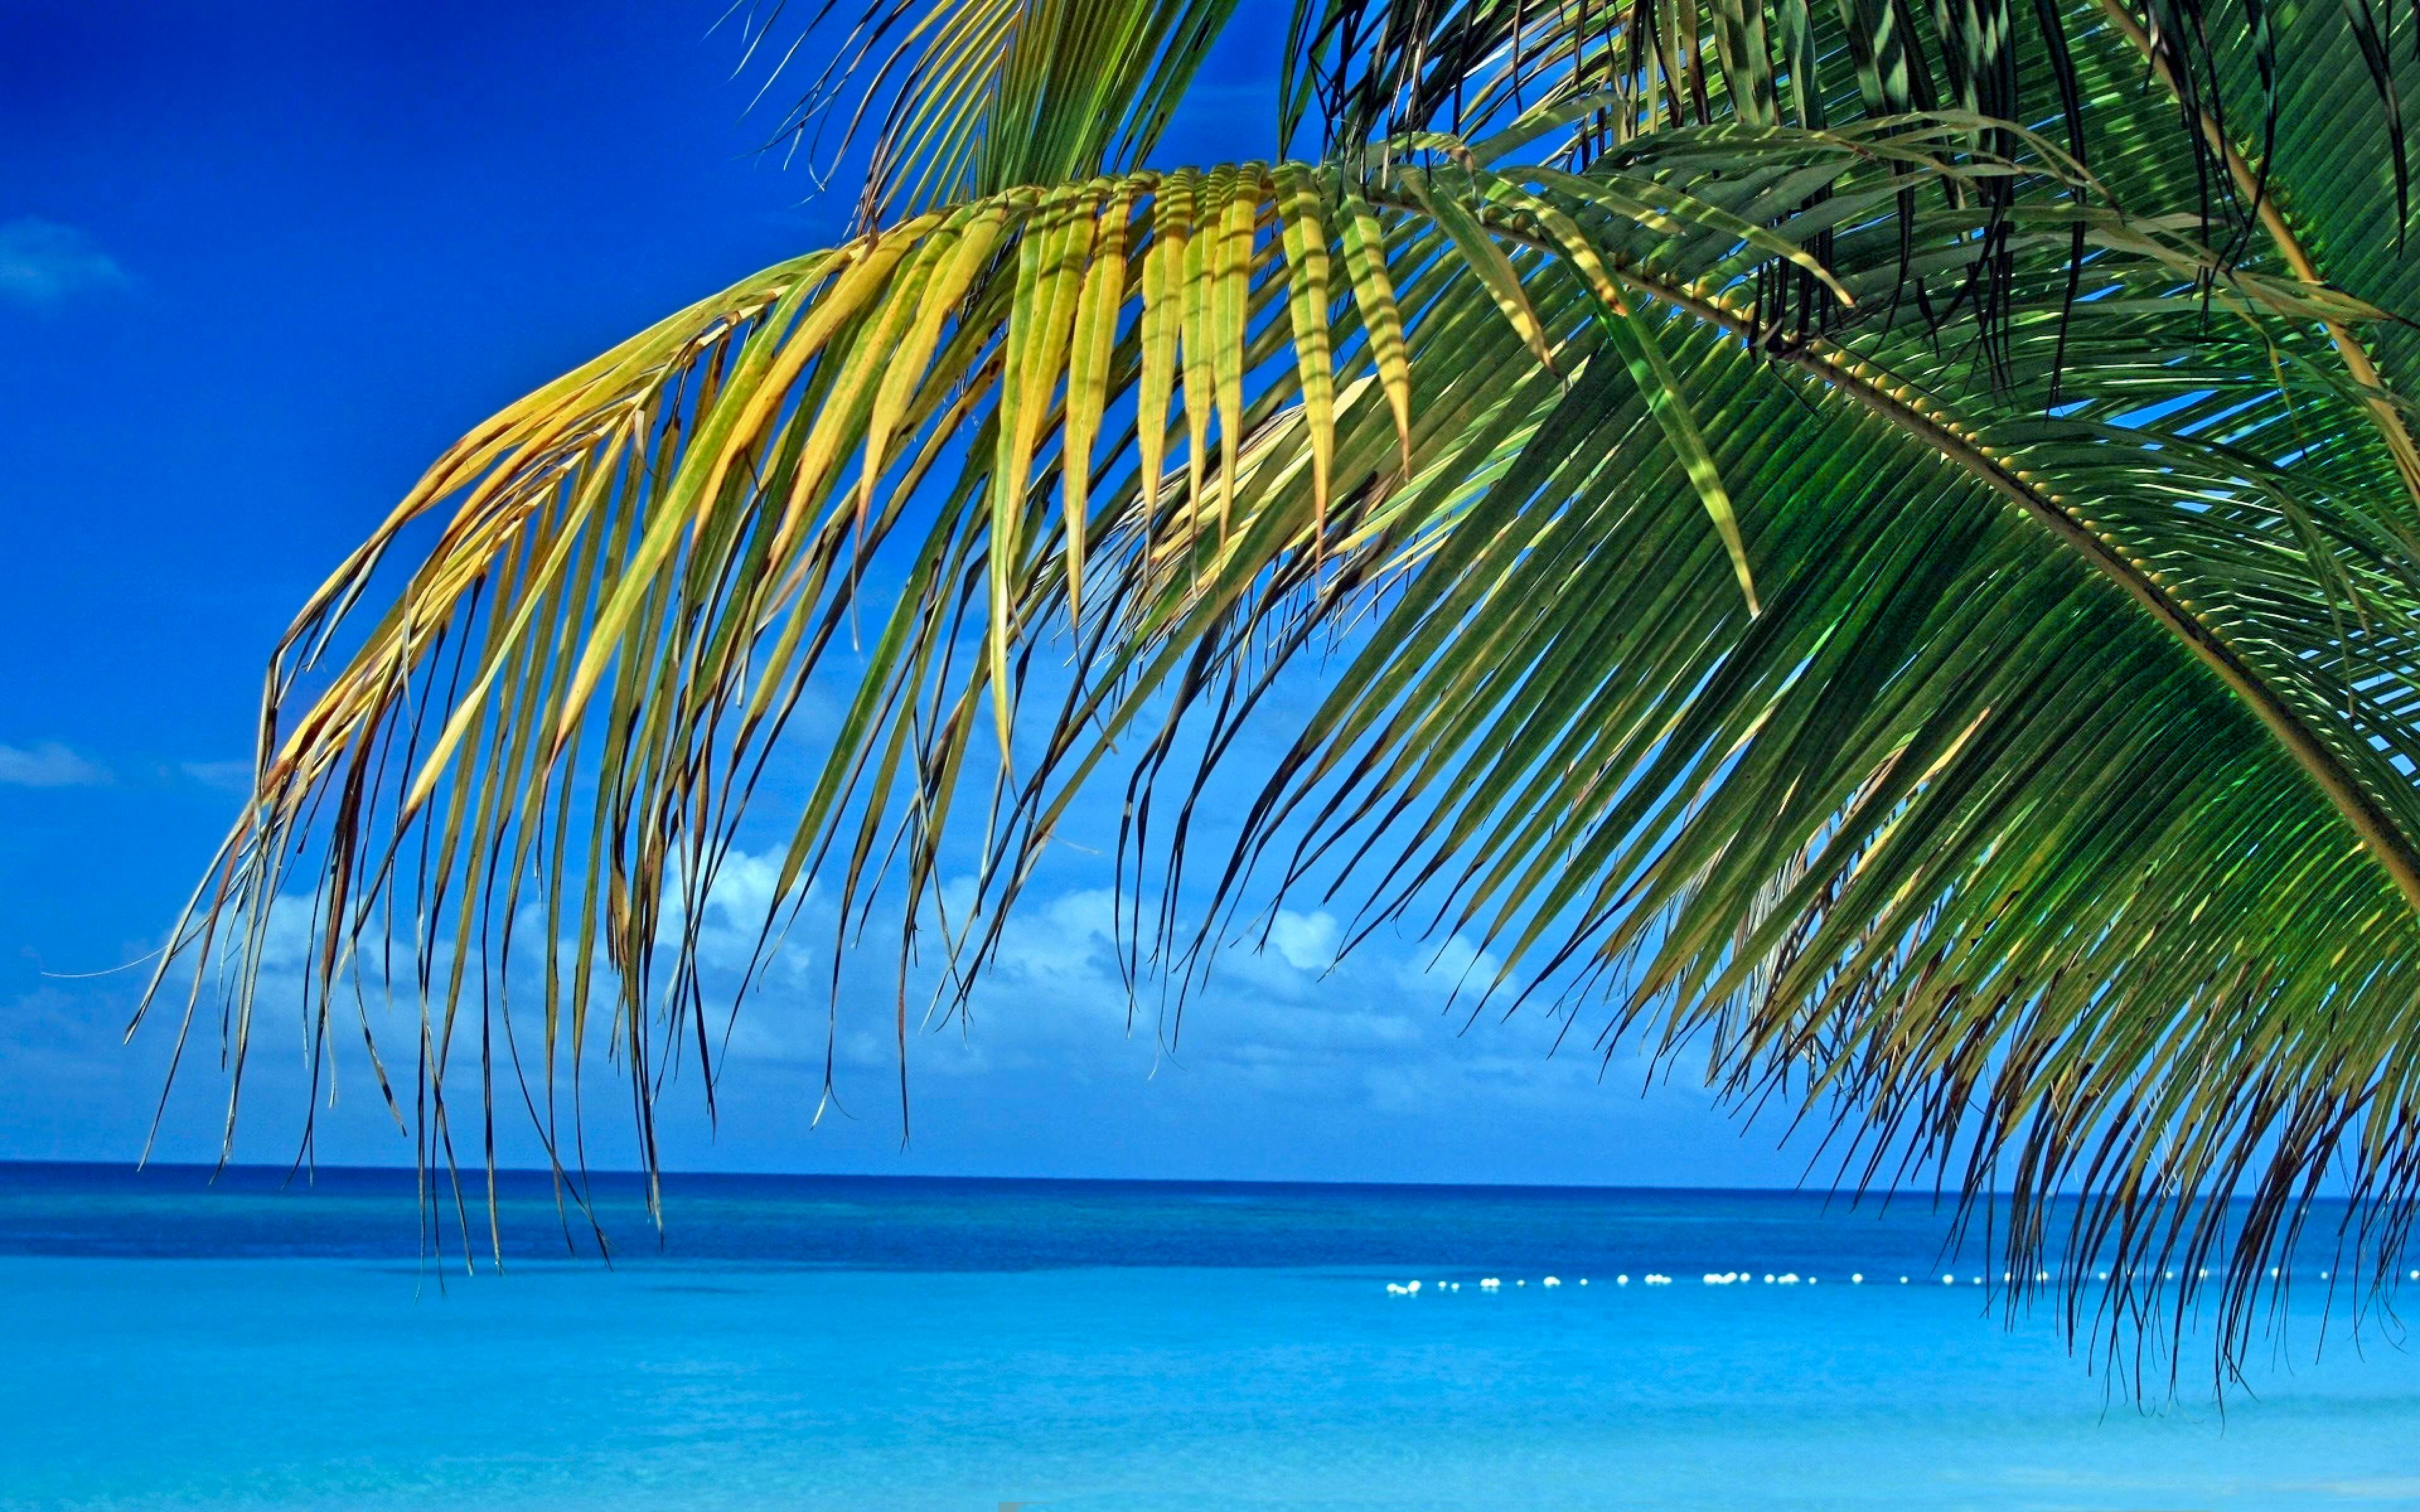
(854, 1343)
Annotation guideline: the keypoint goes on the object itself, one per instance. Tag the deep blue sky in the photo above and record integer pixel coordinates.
(258, 263)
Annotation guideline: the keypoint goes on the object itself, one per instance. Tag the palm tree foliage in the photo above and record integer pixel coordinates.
(1880, 544)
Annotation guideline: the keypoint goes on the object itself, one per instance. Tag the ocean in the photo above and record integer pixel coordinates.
(800, 1342)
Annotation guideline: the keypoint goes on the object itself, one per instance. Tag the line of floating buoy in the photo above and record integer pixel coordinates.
(1784, 1278)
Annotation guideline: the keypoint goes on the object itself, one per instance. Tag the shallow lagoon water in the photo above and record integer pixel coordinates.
(837, 1344)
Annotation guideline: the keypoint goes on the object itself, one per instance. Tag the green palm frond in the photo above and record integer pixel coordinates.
(2239, 95)
(1919, 610)
(969, 97)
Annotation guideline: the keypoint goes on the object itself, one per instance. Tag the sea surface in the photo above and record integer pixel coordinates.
(866, 1344)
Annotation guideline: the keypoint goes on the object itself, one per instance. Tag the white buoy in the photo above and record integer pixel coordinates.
(1583, 1281)
(1621, 1281)
(1414, 1289)
(1856, 1278)
(1948, 1280)
(1395, 1289)
(1902, 1280)
(1552, 1281)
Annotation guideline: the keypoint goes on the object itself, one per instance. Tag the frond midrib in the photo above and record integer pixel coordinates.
(1841, 369)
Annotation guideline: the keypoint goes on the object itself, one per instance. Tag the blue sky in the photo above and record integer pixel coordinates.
(257, 265)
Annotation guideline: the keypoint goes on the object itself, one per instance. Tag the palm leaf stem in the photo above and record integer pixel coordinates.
(1843, 370)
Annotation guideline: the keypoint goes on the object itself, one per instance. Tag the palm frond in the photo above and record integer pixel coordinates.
(1870, 593)
(968, 100)
(2238, 96)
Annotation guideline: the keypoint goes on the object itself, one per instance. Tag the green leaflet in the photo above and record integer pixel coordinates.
(1302, 219)
(1049, 274)
(1196, 324)
(1488, 261)
(1382, 320)
(1088, 379)
(1231, 272)
(1642, 354)
(970, 250)
(1162, 321)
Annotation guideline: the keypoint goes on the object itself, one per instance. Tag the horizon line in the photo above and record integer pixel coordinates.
(303, 1175)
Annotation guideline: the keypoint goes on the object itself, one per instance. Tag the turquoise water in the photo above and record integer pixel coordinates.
(862, 1344)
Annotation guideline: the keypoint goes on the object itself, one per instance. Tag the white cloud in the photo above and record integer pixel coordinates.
(228, 777)
(1306, 942)
(731, 916)
(49, 764)
(1064, 941)
(42, 262)
(291, 936)
(1284, 1020)
(743, 889)
(1456, 966)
